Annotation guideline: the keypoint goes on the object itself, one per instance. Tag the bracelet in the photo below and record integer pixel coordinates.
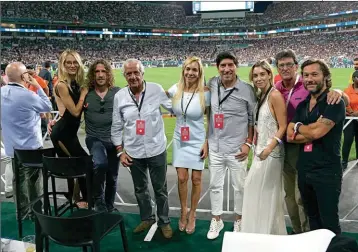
(297, 125)
(118, 147)
(119, 154)
(278, 140)
(250, 145)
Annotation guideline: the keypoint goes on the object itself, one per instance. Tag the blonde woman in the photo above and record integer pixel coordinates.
(191, 100)
(263, 207)
(70, 98)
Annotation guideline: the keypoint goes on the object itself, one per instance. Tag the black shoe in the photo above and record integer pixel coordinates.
(9, 195)
(292, 233)
(113, 210)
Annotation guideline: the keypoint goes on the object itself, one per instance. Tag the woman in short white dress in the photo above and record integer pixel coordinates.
(191, 100)
(263, 205)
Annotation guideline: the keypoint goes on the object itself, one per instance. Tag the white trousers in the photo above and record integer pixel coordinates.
(8, 171)
(218, 163)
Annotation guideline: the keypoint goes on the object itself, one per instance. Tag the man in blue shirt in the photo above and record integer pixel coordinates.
(21, 121)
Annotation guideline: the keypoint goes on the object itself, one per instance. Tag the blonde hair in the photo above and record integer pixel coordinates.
(264, 65)
(200, 83)
(63, 75)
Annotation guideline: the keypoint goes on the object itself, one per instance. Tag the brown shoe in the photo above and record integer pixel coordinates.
(167, 231)
(144, 225)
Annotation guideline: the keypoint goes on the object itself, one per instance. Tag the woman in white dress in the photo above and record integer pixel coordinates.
(263, 207)
(191, 100)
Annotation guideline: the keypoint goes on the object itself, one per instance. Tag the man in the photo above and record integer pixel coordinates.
(21, 122)
(317, 127)
(45, 73)
(231, 132)
(355, 65)
(98, 111)
(43, 84)
(138, 134)
(293, 91)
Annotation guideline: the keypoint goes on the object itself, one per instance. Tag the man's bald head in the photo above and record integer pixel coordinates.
(14, 72)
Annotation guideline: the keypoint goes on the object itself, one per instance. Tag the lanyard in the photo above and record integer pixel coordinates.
(182, 106)
(16, 85)
(135, 101)
(227, 96)
(291, 91)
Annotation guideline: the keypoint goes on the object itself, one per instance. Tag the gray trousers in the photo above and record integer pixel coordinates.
(157, 167)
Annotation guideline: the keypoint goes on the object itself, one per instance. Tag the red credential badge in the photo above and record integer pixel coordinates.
(219, 121)
(184, 134)
(140, 127)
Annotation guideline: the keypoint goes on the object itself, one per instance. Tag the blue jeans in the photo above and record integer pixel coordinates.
(105, 172)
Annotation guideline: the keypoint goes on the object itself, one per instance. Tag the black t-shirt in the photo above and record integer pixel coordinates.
(326, 151)
(98, 114)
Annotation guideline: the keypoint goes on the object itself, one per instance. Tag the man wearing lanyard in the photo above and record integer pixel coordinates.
(231, 130)
(317, 127)
(138, 134)
(21, 124)
(294, 92)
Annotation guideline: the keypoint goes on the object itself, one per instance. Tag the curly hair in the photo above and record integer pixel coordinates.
(91, 74)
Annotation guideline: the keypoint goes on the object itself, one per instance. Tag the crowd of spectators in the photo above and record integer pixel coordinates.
(163, 15)
(320, 45)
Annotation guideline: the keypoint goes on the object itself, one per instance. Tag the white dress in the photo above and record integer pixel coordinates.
(186, 154)
(263, 204)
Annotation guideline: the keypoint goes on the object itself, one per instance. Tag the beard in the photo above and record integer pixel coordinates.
(319, 87)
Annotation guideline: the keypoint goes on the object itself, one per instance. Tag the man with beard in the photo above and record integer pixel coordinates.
(98, 111)
(294, 92)
(317, 127)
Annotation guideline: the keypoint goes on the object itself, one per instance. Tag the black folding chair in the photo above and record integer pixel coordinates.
(84, 228)
(27, 159)
(66, 168)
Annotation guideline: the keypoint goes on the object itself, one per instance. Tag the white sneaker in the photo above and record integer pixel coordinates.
(237, 226)
(215, 228)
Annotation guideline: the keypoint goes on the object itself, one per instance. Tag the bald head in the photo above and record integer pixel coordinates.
(14, 72)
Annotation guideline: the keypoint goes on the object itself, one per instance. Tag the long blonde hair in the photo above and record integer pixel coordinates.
(63, 75)
(200, 83)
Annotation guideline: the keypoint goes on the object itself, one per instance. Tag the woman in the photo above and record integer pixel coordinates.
(70, 98)
(191, 100)
(263, 209)
(351, 131)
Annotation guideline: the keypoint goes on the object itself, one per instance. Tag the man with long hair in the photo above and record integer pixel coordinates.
(317, 127)
(98, 119)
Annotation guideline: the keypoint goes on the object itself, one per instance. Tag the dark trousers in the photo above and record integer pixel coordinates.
(157, 167)
(105, 172)
(320, 192)
(350, 133)
(30, 186)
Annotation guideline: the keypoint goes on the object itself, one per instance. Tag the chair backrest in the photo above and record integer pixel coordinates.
(68, 166)
(317, 240)
(33, 156)
(69, 230)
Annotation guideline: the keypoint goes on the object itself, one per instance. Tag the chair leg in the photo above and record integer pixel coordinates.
(54, 195)
(47, 244)
(95, 247)
(124, 236)
(84, 248)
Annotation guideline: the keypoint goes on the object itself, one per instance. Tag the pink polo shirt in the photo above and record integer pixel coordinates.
(299, 94)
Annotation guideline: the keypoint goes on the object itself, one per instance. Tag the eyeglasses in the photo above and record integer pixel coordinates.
(102, 102)
(288, 65)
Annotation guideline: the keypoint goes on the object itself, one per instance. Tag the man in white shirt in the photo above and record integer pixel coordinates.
(21, 121)
(138, 127)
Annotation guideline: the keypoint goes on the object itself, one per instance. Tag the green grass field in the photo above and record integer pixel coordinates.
(169, 76)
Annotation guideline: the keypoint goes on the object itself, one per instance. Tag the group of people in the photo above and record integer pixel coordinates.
(293, 128)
